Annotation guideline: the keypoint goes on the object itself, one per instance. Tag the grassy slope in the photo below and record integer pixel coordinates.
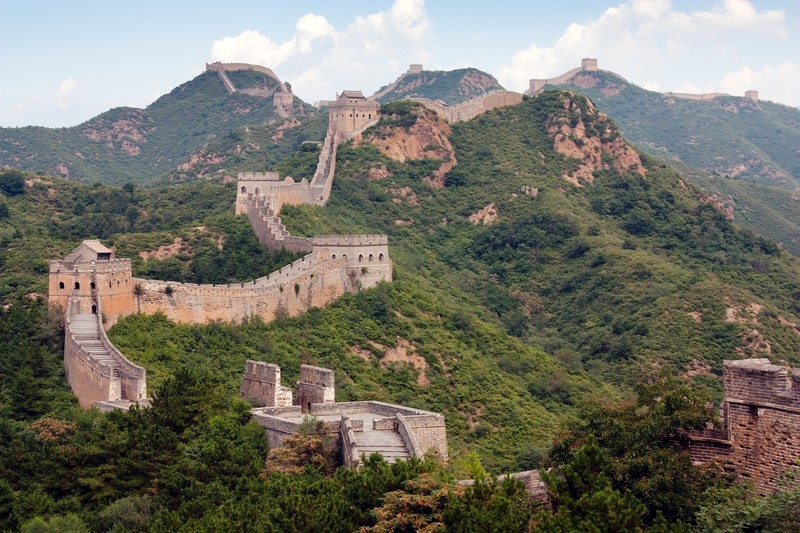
(452, 86)
(763, 136)
(165, 134)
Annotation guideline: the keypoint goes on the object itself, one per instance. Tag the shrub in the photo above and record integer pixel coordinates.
(12, 182)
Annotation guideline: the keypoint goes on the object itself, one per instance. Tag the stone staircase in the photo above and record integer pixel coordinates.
(387, 443)
(86, 330)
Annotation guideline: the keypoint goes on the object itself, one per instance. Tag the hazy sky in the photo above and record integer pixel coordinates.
(62, 63)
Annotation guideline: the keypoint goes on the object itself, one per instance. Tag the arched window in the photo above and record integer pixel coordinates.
(332, 257)
(380, 257)
(360, 257)
(91, 285)
(244, 190)
(117, 283)
(370, 258)
(94, 309)
(109, 284)
(370, 115)
(351, 114)
(60, 284)
(344, 256)
(258, 191)
(77, 286)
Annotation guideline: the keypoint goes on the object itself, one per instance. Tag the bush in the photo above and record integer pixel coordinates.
(131, 514)
(12, 182)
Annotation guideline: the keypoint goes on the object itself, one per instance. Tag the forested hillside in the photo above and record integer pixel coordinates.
(138, 145)
(542, 267)
(730, 135)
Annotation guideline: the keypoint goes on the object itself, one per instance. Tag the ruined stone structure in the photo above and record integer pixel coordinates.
(587, 64)
(760, 413)
(752, 95)
(361, 428)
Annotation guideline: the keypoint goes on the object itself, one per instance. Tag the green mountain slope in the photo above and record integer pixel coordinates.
(138, 145)
(769, 211)
(523, 285)
(731, 136)
(451, 86)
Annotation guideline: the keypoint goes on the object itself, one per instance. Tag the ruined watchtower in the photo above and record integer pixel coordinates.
(350, 113)
(760, 417)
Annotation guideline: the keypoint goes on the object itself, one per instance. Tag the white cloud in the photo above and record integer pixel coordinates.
(778, 83)
(64, 92)
(319, 60)
(640, 37)
(652, 86)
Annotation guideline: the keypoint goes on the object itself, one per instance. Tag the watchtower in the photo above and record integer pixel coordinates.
(752, 95)
(92, 270)
(589, 64)
(415, 69)
(256, 183)
(351, 112)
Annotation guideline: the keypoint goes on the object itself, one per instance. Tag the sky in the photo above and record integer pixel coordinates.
(62, 63)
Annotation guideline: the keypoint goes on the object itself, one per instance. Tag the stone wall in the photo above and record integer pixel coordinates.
(472, 108)
(89, 380)
(760, 435)
(217, 66)
(587, 64)
(262, 383)
(312, 281)
(316, 385)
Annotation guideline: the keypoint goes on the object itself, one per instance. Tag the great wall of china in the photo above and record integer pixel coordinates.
(590, 65)
(760, 412)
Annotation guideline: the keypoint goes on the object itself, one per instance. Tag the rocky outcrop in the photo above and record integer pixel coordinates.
(426, 138)
(582, 132)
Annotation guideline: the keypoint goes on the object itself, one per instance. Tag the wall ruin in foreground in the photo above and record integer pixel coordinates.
(760, 435)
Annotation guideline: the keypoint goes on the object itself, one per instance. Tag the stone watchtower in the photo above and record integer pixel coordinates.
(90, 271)
(752, 95)
(350, 113)
(589, 63)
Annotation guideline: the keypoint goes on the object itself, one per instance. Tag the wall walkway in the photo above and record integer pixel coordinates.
(95, 369)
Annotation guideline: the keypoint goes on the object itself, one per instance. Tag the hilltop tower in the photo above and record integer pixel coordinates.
(589, 63)
(350, 113)
(752, 95)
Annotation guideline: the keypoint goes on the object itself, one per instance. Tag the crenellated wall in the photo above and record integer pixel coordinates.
(313, 281)
(472, 108)
(760, 435)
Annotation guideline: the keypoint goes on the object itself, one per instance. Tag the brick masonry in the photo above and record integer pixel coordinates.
(760, 435)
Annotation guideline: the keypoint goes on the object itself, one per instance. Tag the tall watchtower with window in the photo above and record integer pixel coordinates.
(350, 113)
(91, 273)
